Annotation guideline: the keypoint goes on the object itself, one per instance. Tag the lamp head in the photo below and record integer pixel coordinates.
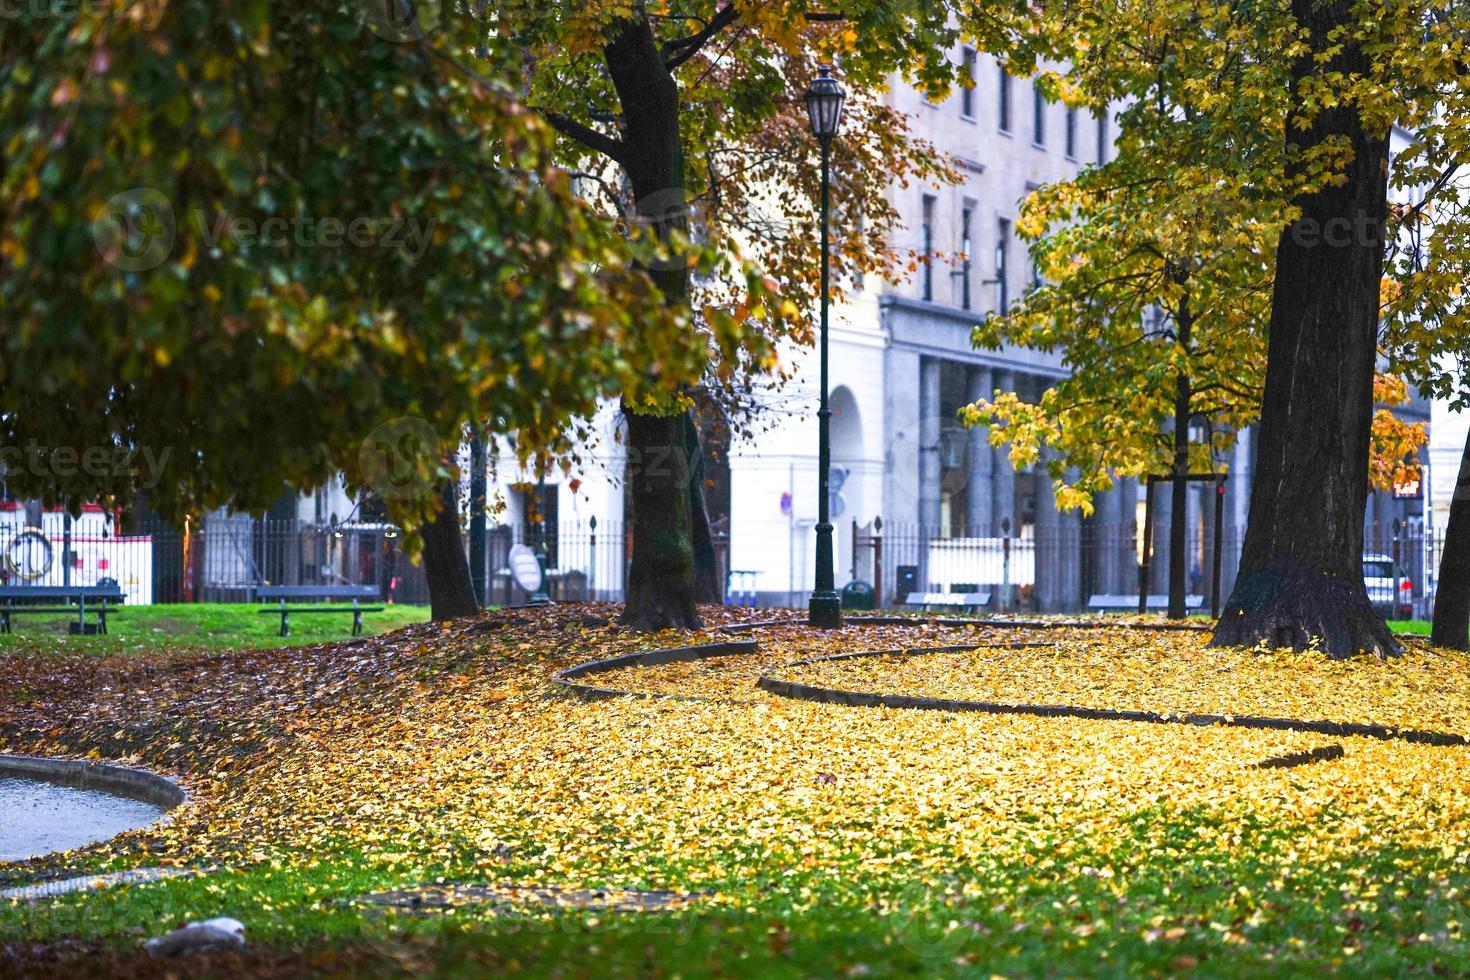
(824, 99)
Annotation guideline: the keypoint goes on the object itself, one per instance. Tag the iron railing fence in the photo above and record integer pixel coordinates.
(1083, 565)
(1063, 567)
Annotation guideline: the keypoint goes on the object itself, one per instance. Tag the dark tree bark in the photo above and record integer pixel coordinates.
(707, 586)
(1179, 489)
(1452, 593)
(447, 569)
(661, 588)
(1300, 572)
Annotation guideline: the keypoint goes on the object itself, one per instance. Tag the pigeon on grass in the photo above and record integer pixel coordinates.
(198, 937)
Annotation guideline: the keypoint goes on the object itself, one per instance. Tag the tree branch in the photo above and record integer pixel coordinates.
(586, 135)
(681, 50)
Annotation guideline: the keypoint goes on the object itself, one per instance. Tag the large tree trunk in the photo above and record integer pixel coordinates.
(707, 586)
(451, 593)
(660, 588)
(661, 585)
(1301, 575)
(1452, 594)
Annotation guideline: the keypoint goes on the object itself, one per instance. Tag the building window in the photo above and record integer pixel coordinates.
(1002, 265)
(967, 92)
(1004, 96)
(1102, 138)
(536, 516)
(1038, 115)
(1071, 133)
(928, 233)
(966, 247)
(1155, 318)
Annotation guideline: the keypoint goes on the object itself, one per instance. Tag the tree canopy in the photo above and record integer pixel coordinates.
(257, 258)
(1157, 266)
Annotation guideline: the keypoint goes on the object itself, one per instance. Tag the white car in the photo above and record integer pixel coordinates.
(1381, 575)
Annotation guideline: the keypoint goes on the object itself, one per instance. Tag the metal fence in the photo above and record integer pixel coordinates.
(1083, 565)
(225, 557)
(1068, 566)
(222, 558)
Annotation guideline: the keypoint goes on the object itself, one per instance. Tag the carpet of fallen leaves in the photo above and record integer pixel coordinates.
(1176, 673)
(448, 743)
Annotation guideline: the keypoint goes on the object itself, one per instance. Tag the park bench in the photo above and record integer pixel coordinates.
(288, 598)
(1129, 603)
(951, 600)
(20, 600)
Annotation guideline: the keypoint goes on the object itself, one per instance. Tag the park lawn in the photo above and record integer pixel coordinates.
(195, 627)
(813, 839)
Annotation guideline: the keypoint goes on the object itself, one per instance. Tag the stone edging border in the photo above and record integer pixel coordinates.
(957, 621)
(1026, 624)
(137, 784)
(861, 699)
(568, 678)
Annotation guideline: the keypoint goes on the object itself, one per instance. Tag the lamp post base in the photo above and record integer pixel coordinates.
(825, 611)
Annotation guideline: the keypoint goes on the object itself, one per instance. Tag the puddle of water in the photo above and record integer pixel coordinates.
(38, 817)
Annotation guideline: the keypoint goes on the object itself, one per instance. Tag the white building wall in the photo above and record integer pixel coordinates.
(780, 547)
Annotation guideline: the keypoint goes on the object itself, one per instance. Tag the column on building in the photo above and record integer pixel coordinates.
(929, 474)
(1003, 483)
(1238, 498)
(1058, 546)
(1102, 542)
(1123, 567)
(979, 491)
(1196, 554)
(929, 444)
(900, 508)
(1210, 502)
(1163, 529)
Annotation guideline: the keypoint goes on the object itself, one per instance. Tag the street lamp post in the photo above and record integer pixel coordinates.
(824, 108)
(540, 595)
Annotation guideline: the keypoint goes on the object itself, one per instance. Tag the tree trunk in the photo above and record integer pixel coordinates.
(451, 593)
(1301, 576)
(1452, 593)
(1179, 488)
(661, 582)
(660, 589)
(707, 586)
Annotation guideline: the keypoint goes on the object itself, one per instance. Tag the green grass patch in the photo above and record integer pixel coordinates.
(1166, 903)
(188, 627)
(1413, 627)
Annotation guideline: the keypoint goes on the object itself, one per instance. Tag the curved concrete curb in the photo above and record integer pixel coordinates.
(136, 784)
(959, 621)
(655, 658)
(651, 658)
(862, 699)
(1024, 624)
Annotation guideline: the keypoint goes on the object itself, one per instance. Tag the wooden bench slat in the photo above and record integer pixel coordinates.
(321, 609)
(326, 593)
(69, 610)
